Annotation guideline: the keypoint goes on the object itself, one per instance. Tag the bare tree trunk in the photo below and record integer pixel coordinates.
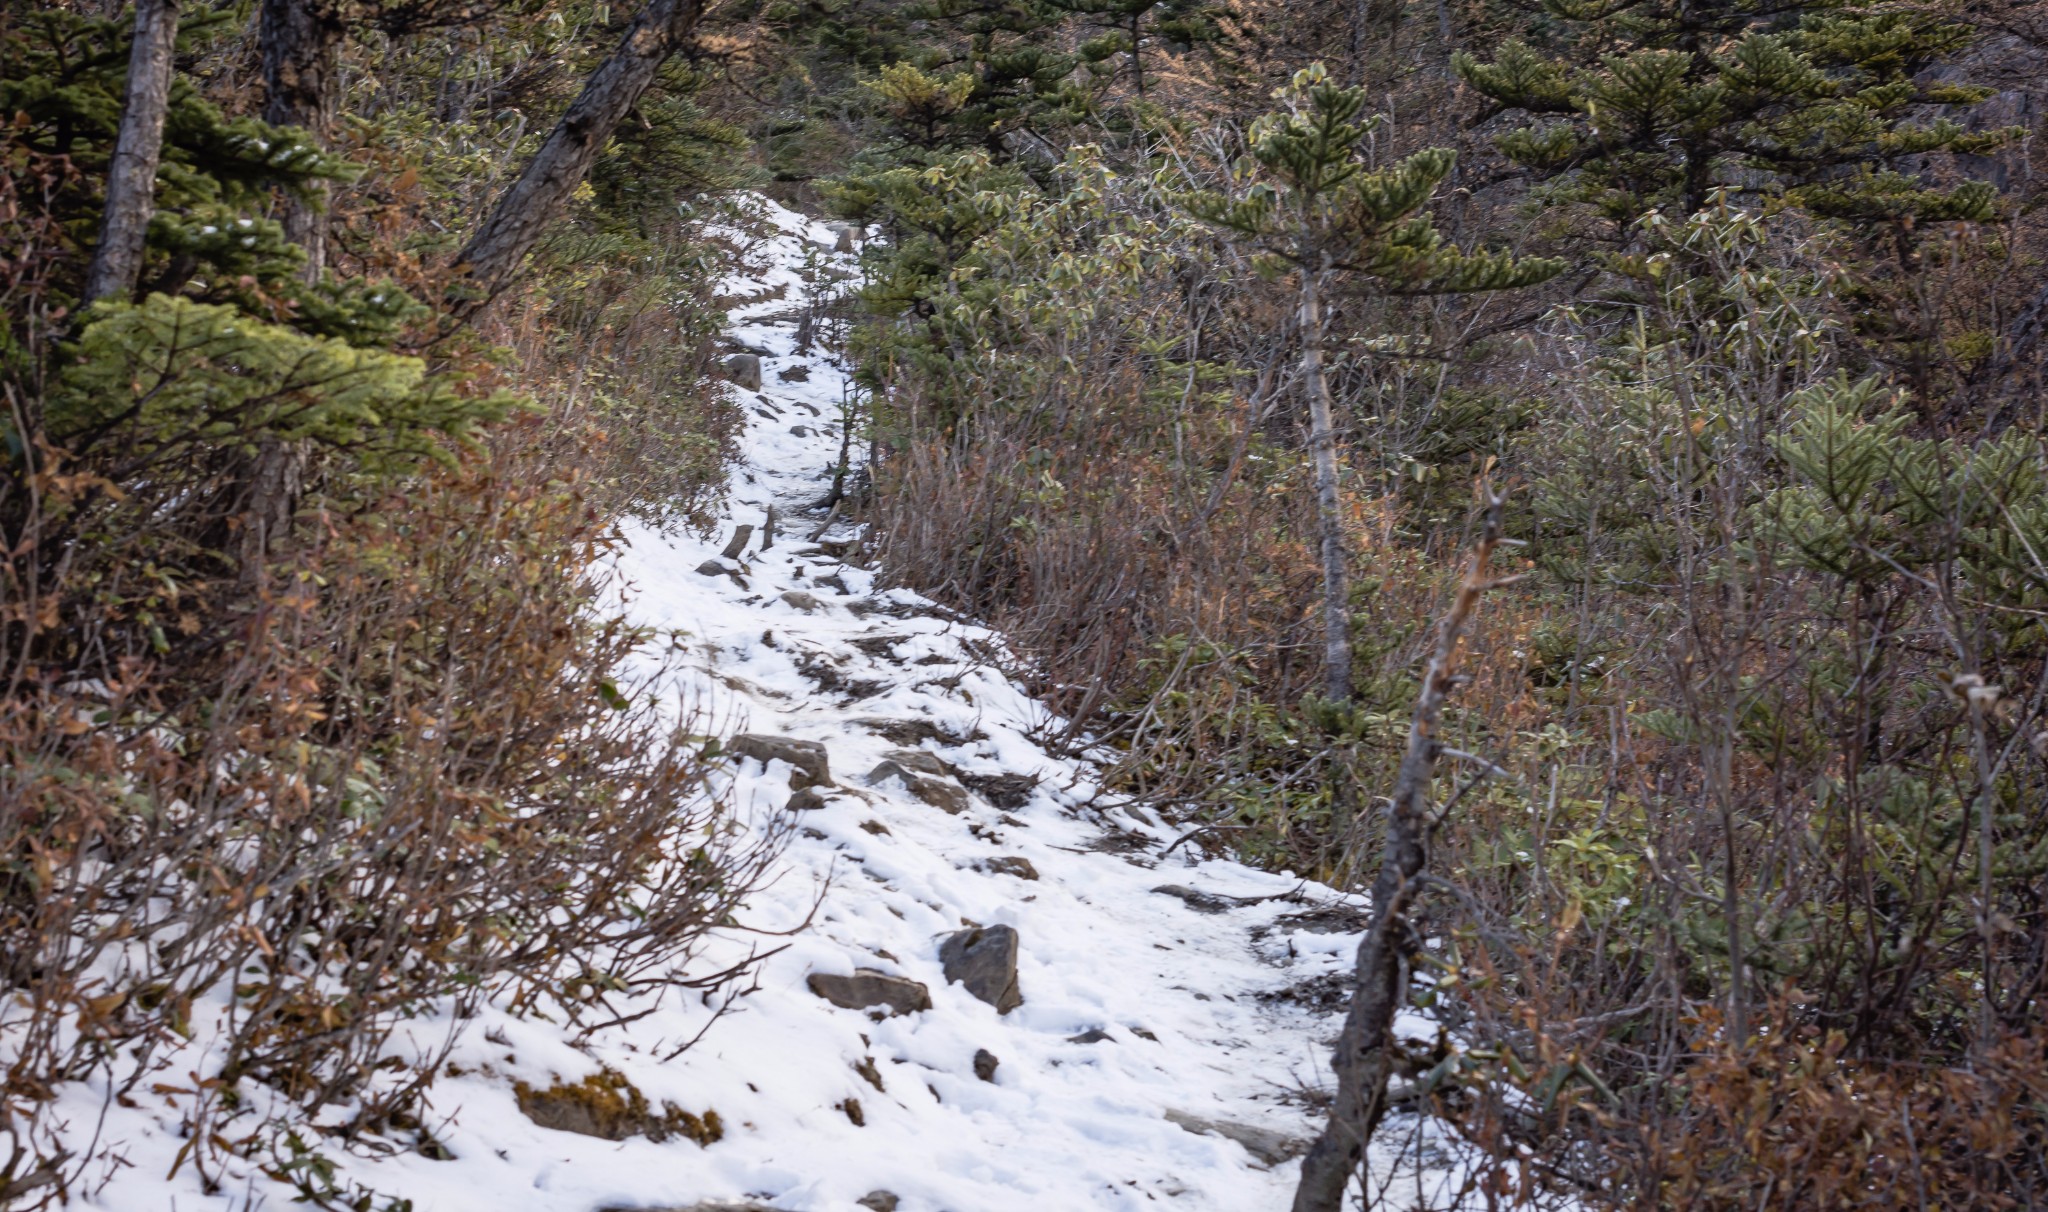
(275, 478)
(1329, 506)
(131, 178)
(495, 253)
(1137, 63)
(1380, 982)
(300, 40)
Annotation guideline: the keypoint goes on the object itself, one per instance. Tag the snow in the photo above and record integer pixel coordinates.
(1185, 997)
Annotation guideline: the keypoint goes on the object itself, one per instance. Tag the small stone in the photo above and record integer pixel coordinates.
(984, 960)
(712, 568)
(867, 987)
(744, 371)
(924, 761)
(985, 1063)
(853, 1112)
(875, 827)
(1093, 1035)
(709, 1205)
(1204, 902)
(843, 236)
(1006, 791)
(799, 373)
(878, 1201)
(1011, 865)
(939, 793)
(801, 600)
(808, 757)
(1264, 1144)
(805, 800)
(865, 1066)
(740, 539)
(800, 431)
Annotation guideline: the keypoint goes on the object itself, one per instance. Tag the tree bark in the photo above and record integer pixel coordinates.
(494, 255)
(300, 41)
(1329, 505)
(1363, 1059)
(131, 178)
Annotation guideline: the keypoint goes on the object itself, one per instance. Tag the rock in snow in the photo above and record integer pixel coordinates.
(744, 370)
(868, 987)
(940, 793)
(1267, 1145)
(984, 961)
(938, 932)
(807, 757)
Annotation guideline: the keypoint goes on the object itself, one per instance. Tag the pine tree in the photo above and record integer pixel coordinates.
(1825, 106)
(1023, 82)
(1184, 22)
(1314, 203)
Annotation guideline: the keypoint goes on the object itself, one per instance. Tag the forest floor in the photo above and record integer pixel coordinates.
(1176, 1008)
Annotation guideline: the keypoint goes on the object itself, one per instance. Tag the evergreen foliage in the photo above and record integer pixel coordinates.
(1820, 105)
(1310, 198)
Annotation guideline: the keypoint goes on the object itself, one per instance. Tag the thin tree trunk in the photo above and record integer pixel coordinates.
(533, 202)
(1137, 63)
(131, 178)
(1379, 984)
(300, 41)
(1329, 506)
(276, 479)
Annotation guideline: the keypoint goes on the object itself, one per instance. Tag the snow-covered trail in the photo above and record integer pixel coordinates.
(1137, 1003)
(1174, 1008)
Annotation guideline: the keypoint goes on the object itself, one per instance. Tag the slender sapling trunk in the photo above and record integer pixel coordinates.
(1329, 505)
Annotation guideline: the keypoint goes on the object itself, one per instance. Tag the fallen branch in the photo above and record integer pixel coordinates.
(1364, 1052)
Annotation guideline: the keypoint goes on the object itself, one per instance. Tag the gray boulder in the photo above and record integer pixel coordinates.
(743, 370)
(808, 757)
(984, 960)
(867, 987)
(1264, 1144)
(800, 600)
